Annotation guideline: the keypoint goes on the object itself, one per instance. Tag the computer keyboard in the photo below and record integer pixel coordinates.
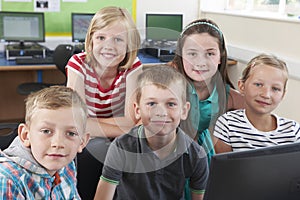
(34, 60)
(166, 58)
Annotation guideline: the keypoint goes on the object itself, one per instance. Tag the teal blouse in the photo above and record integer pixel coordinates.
(202, 114)
(207, 111)
(208, 108)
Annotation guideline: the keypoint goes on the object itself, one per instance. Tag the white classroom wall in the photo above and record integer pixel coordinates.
(189, 9)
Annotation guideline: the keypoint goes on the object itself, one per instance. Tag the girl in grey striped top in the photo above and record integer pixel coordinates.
(263, 85)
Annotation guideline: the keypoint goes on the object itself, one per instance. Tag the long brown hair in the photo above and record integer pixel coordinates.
(221, 78)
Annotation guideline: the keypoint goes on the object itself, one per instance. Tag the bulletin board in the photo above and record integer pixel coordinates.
(58, 23)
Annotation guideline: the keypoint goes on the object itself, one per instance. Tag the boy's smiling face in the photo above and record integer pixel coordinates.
(54, 137)
(161, 109)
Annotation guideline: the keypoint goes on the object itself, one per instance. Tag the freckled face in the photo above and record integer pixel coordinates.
(201, 56)
(264, 89)
(110, 45)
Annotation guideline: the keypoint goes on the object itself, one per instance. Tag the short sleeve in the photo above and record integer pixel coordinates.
(114, 163)
(199, 176)
(76, 64)
(297, 131)
(221, 130)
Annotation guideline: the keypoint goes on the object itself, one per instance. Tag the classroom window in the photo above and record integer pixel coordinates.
(267, 8)
(293, 7)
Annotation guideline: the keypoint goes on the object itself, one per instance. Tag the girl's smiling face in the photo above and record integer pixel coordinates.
(263, 89)
(201, 56)
(110, 45)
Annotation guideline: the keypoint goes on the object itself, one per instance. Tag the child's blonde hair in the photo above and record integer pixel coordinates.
(53, 98)
(265, 59)
(106, 17)
(161, 76)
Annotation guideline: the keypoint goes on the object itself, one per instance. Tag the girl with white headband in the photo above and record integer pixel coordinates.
(202, 57)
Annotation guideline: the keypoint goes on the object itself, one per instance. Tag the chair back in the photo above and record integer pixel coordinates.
(8, 132)
(61, 55)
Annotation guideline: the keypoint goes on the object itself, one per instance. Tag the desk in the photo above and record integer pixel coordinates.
(145, 58)
(26, 67)
(11, 75)
(10, 65)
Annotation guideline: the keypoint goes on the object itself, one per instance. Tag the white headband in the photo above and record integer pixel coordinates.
(199, 23)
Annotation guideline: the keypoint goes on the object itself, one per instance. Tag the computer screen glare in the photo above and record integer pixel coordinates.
(22, 27)
(163, 26)
(80, 24)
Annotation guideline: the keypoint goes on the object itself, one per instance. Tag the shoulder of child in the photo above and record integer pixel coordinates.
(283, 121)
(235, 100)
(191, 145)
(10, 172)
(127, 139)
(233, 113)
(78, 57)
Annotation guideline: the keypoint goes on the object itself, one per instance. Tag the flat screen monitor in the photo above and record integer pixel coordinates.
(80, 23)
(261, 174)
(161, 27)
(22, 27)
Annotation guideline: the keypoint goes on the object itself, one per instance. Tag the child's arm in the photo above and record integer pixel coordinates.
(220, 146)
(102, 127)
(235, 100)
(221, 138)
(116, 126)
(197, 196)
(199, 177)
(9, 189)
(105, 190)
(109, 127)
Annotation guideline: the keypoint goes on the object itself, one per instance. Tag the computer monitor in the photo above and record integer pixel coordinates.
(163, 27)
(22, 27)
(265, 173)
(80, 23)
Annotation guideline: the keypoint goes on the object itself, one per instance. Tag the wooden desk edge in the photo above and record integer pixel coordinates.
(230, 62)
(26, 67)
(48, 67)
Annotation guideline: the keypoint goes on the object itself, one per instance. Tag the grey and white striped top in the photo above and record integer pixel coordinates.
(235, 129)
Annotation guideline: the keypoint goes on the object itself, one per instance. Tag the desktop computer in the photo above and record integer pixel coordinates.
(13, 51)
(159, 48)
(162, 32)
(22, 31)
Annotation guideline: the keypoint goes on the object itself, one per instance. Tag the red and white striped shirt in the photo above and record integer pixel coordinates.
(101, 103)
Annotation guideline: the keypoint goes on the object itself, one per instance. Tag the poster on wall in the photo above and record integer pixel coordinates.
(17, 1)
(47, 6)
(74, 0)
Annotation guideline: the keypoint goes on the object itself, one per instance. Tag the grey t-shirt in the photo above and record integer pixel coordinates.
(140, 174)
